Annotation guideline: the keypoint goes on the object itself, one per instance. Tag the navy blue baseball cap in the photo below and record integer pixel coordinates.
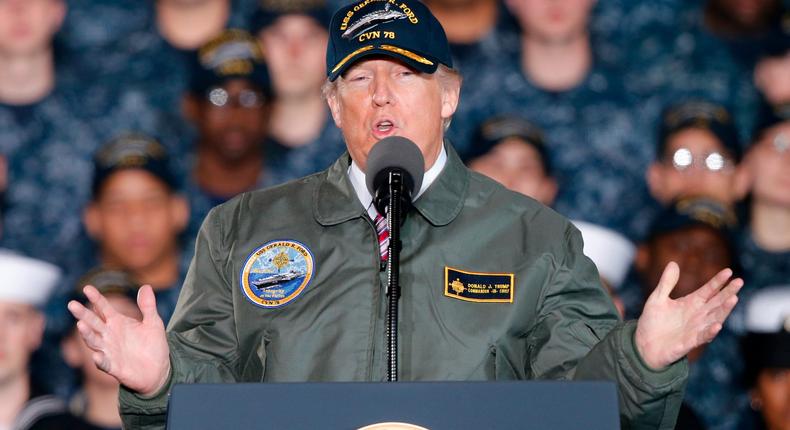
(402, 29)
(269, 11)
(696, 211)
(704, 115)
(495, 130)
(131, 151)
(234, 54)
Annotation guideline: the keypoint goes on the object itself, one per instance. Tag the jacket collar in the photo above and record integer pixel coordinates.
(335, 201)
(444, 199)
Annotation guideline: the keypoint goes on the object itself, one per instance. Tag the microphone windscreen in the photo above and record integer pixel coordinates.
(395, 152)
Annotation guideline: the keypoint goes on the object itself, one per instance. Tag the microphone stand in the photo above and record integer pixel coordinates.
(394, 214)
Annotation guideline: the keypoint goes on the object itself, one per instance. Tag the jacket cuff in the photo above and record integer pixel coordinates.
(671, 375)
(135, 403)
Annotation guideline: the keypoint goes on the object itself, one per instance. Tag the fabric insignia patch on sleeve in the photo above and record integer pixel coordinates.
(277, 273)
(478, 286)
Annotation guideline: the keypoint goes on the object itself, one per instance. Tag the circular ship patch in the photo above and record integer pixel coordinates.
(277, 273)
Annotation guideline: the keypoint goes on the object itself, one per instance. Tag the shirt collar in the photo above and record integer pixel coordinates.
(357, 177)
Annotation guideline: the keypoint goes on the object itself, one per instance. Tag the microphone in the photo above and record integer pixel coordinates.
(393, 176)
(399, 156)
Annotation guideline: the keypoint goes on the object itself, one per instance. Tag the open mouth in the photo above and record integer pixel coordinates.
(384, 126)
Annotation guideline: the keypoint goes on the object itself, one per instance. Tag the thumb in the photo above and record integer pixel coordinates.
(146, 301)
(668, 280)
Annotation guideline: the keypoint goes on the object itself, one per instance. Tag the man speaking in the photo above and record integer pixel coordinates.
(287, 284)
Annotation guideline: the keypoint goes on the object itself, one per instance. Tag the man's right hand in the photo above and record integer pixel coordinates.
(134, 352)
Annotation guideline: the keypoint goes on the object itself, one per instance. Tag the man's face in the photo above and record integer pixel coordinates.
(773, 393)
(700, 251)
(378, 98)
(747, 14)
(553, 21)
(27, 26)
(517, 165)
(21, 330)
(772, 78)
(233, 130)
(669, 182)
(136, 220)
(768, 166)
(295, 49)
(78, 355)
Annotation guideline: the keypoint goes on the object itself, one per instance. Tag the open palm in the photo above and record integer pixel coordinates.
(134, 352)
(670, 328)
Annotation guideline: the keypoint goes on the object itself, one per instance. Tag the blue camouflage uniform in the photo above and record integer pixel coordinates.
(670, 56)
(288, 163)
(760, 269)
(714, 390)
(598, 150)
(503, 40)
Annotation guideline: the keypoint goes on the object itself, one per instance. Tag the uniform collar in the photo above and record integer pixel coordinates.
(336, 200)
(357, 177)
(444, 199)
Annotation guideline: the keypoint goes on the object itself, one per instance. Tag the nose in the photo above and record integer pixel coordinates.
(294, 47)
(382, 91)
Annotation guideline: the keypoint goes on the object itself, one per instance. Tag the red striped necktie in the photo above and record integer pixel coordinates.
(384, 236)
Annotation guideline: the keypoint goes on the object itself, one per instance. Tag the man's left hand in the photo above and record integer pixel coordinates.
(669, 329)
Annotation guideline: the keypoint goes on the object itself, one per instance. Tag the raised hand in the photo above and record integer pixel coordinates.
(134, 352)
(669, 329)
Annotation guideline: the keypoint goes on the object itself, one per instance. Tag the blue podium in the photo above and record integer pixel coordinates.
(532, 405)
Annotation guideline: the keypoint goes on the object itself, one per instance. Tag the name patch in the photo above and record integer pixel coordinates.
(478, 286)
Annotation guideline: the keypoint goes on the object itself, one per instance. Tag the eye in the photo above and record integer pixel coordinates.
(357, 77)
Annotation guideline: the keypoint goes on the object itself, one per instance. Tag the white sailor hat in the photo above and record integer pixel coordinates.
(767, 341)
(768, 310)
(611, 252)
(26, 280)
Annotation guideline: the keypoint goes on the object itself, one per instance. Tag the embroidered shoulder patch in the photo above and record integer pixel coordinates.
(478, 286)
(277, 273)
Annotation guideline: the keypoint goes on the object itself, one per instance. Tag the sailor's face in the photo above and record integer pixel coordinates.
(21, 329)
(382, 97)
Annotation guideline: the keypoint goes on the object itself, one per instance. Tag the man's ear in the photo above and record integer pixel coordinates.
(642, 258)
(179, 211)
(190, 107)
(743, 180)
(655, 182)
(334, 105)
(451, 92)
(92, 221)
(70, 349)
(58, 15)
(548, 191)
(36, 326)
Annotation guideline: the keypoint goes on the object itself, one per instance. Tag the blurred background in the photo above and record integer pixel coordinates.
(661, 128)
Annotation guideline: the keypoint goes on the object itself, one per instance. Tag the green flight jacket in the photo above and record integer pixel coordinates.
(560, 324)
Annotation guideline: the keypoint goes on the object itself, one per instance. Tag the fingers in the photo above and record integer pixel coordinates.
(86, 316)
(101, 361)
(147, 303)
(103, 308)
(721, 312)
(732, 289)
(91, 338)
(710, 333)
(714, 285)
(668, 280)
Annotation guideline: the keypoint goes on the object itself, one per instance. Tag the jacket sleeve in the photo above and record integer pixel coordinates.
(579, 336)
(201, 334)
